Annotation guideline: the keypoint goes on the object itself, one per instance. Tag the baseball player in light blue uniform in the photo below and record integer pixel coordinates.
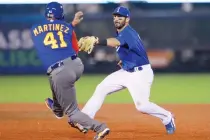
(135, 74)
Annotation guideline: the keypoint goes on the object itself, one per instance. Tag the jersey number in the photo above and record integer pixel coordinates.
(50, 40)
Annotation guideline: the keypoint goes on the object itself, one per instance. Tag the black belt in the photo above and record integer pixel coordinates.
(58, 64)
(138, 68)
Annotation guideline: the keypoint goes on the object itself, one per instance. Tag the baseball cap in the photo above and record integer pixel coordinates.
(121, 10)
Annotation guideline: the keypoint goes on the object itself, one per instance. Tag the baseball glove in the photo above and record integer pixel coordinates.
(87, 43)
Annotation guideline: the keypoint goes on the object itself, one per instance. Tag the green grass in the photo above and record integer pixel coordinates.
(167, 88)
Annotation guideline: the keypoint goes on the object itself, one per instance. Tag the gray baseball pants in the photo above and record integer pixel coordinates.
(62, 80)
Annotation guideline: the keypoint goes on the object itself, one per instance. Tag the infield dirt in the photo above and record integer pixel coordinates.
(36, 122)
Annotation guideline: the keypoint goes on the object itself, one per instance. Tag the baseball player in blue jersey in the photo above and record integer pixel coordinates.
(135, 74)
(54, 41)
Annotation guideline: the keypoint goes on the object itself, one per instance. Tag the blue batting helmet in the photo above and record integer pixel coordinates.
(121, 10)
(54, 9)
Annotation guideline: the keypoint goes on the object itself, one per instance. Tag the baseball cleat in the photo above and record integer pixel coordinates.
(171, 127)
(102, 134)
(79, 127)
(49, 104)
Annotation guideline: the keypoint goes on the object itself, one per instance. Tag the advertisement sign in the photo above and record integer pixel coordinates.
(160, 58)
(17, 53)
(18, 56)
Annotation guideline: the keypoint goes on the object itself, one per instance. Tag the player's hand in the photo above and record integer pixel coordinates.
(87, 43)
(77, 18)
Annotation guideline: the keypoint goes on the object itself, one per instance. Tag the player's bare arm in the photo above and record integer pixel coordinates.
(77, 18)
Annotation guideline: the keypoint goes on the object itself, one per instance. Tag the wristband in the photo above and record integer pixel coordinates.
(102, 42)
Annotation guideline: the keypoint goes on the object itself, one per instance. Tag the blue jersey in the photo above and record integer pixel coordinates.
(131, 50)
(53, 41)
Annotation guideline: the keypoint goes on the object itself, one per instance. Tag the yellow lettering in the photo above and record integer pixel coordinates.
(40, 29)
(63, 43)
(67, 29)
(35, 32)
(50, 40)
(45, 28)
(57, 27)
(50, 27)
(61, 28)
(53, 27)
